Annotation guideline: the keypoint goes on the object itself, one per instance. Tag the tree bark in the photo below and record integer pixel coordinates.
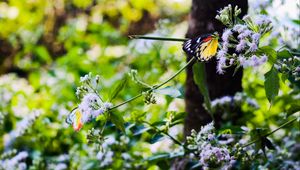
(202, 21)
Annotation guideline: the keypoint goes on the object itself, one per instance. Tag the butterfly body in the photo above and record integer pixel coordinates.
(202, 47)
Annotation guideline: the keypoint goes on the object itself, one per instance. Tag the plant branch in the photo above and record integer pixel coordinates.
(156, 86)
(156, 38)
(268, 134)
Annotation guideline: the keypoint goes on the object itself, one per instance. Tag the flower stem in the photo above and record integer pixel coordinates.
(270, 133)
(156, 86)
(156, 38)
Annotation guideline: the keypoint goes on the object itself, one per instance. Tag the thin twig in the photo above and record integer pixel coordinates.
(286, 123)
(156, 86)
(156, 38)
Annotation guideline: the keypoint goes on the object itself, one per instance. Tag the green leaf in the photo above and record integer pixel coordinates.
(156, 138)
(270, 52)
(43, 54)
(284, 53)
(158, 157)
(140, 129)
(118, 120)
(169, 91)
(119, 87)
(271, 84)
(179, 116)
(296, 21)
(295, 107)
(200, 80)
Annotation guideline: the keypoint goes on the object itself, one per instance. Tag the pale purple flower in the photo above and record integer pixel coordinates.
(241, 46)
(231, 61)
(208, 152)
(220, 69)
(207, 128)
(90, 98)
(246, 17)
(210, 137)
(262, 19)
(226, 34)
(244, 34)
(239, 28)
(253, 47)
(255, 61)
(255, 37)
(107, 105)
(263, 59)
(96, 113)
(244, 62)
(221, 54)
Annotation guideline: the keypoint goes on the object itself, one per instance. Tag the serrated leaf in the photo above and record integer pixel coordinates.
(118, 88)
(200, 80)
(270, 52)
(169, 91)
(271, 84)
(117, 120)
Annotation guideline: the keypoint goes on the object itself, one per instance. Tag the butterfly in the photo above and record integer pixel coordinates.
(202, 47)
(75, 119)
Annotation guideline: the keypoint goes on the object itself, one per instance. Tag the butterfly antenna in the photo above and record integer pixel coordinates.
(156, 38)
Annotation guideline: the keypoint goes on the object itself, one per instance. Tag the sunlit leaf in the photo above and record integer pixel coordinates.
(118, 88)
(118, 120)
(271, 84)
(169, 91)
(200, 79)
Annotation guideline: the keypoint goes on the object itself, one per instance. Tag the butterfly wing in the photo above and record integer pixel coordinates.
(208, 48)
(75, 119)
(190, 46)
(203, 47)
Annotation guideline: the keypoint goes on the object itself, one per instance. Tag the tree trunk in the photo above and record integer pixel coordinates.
(202, 21)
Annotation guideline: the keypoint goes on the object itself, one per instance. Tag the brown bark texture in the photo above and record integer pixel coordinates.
(202, 21)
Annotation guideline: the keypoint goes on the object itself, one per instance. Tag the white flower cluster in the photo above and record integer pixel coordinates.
(105, 158)
(233, 101)
(92, 106)
(21, 127)
(290, 66)
(242, 37)
(211, 152)
(16, 162)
